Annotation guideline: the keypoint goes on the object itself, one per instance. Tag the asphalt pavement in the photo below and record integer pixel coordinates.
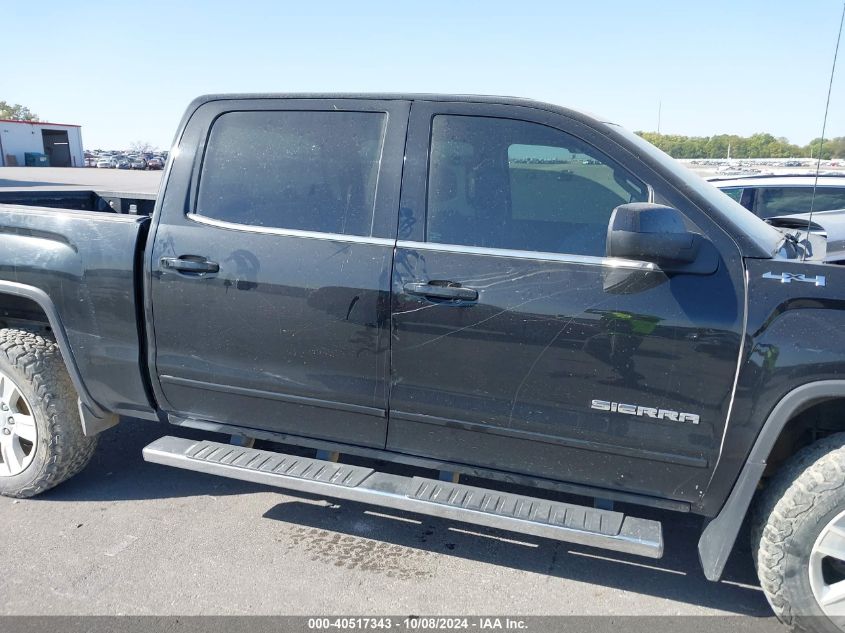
(128, 537)
(40, 178)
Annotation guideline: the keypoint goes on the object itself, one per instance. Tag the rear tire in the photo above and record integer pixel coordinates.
(794, 529)
(32, 363)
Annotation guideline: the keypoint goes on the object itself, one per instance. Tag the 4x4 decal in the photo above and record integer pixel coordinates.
(786, 278)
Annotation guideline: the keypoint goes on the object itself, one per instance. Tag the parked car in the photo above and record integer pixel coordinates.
(829, 225)
(106, 162)
(123, 163)
(784, 201)
(155, 163)
(411, 282)
(772, 196)
(136, 162)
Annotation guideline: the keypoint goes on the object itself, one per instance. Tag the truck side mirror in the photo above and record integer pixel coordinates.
(655, 233)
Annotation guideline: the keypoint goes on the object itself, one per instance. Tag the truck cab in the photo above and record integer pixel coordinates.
(456, 306)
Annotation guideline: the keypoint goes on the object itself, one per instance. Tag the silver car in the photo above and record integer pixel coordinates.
(774, 196)
(828, 224)
(784, 202)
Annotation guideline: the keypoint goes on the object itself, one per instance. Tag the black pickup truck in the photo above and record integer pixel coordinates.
(492, 310)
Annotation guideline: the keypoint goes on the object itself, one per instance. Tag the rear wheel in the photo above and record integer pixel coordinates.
(798, 538)
(41, 438)
(18, 433)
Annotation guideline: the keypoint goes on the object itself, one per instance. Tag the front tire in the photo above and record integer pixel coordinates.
(798, 538)
(41, 438)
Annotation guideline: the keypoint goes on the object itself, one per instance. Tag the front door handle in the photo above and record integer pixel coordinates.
(441, 290)
(190, 264)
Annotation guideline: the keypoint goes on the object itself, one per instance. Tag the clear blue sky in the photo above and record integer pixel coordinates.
(126, 70)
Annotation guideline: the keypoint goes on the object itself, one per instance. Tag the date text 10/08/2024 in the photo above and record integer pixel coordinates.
(415, 623)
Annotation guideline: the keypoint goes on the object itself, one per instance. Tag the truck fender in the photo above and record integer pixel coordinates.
(97, 419)
(719, 535)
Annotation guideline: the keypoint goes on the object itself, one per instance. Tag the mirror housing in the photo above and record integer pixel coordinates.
(655, 233)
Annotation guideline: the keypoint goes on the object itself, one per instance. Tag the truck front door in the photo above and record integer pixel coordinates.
(518, 345)
(270, 266)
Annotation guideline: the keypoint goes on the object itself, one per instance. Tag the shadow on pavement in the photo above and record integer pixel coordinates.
(677, 576)
(118, 473)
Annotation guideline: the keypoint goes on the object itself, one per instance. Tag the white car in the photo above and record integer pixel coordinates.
(104, 162)
(774, 196)
(784, 202)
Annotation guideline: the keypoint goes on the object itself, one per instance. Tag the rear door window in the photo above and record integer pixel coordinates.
(303, 170)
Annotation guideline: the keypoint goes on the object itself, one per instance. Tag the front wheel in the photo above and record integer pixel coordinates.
(41, 438)
(798, 538)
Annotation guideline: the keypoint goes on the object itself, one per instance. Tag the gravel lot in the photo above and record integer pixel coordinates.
(37, 178)
(127, 537)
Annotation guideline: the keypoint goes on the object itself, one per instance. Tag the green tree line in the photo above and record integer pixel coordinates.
(760, 145)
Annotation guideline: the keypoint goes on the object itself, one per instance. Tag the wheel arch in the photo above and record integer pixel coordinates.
(719, 535)
(51, 317)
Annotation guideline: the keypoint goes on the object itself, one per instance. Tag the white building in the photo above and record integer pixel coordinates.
(61, 143)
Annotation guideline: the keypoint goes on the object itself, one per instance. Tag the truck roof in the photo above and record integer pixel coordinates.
(409, 96)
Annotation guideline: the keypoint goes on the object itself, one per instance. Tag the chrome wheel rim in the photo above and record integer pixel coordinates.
(18, 433)
(827, 568)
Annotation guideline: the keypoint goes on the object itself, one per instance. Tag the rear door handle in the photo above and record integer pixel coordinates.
(441, 290)
(190, 264)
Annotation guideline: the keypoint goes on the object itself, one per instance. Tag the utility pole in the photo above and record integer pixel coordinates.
(659, 109)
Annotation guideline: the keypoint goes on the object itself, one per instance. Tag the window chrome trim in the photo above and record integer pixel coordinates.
(587, 260)
(271, 230)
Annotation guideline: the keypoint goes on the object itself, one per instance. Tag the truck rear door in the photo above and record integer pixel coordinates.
(270, 266)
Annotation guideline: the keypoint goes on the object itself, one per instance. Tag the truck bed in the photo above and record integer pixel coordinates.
(131, 203)
(85, 266)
